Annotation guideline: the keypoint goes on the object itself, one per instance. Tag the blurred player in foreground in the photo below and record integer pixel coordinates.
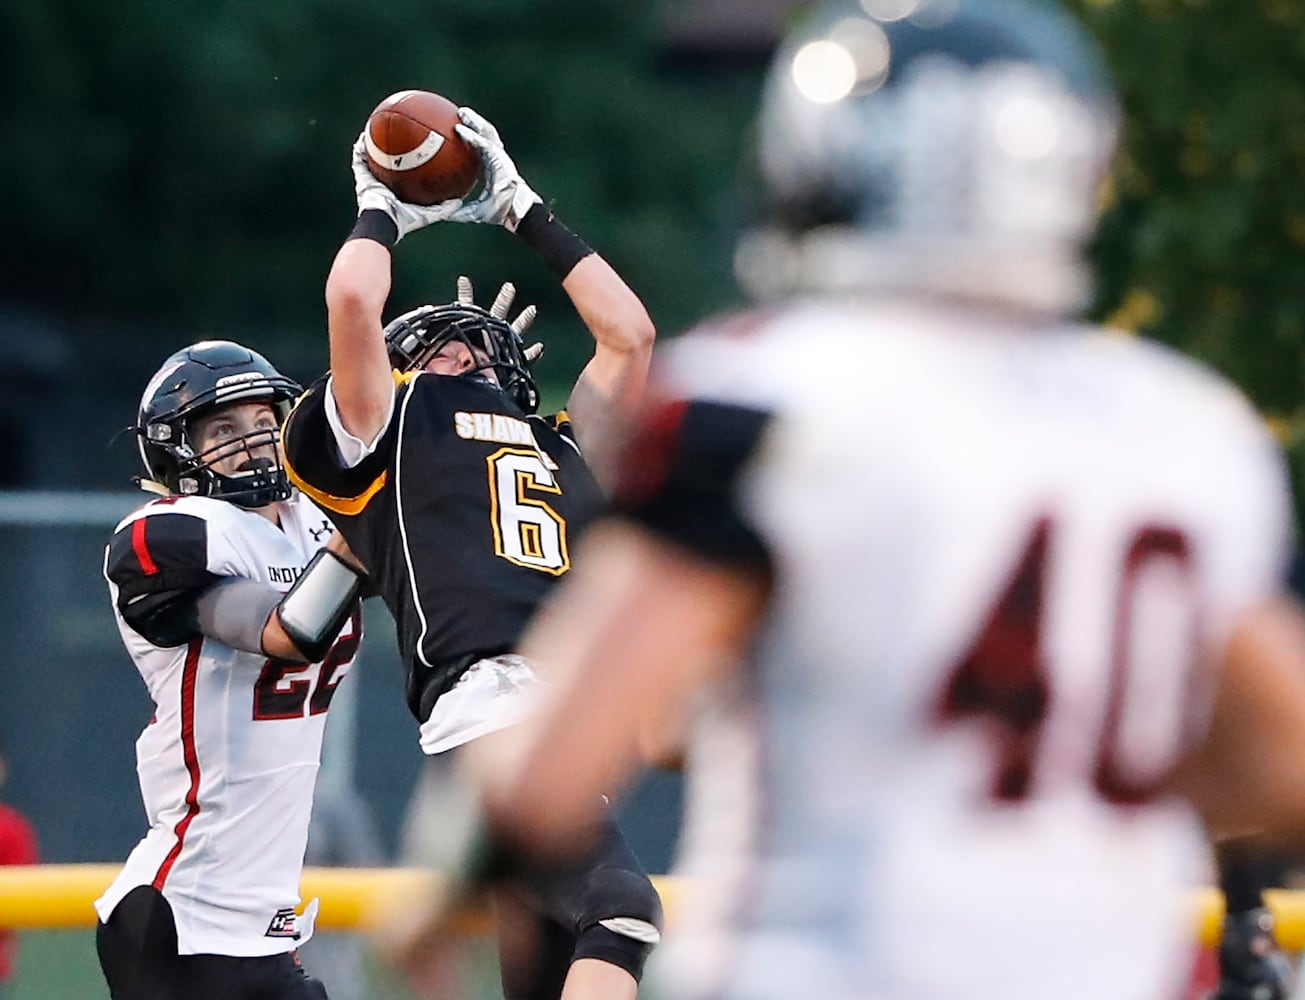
(239, 606)
(465, 505)
(1007, 590)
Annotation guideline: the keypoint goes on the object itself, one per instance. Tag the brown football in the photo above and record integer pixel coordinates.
(413, 149)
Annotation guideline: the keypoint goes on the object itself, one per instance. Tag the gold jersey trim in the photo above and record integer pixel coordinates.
(348, 506)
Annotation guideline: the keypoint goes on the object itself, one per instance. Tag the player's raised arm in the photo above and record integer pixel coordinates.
(612, 383)
(356, 290)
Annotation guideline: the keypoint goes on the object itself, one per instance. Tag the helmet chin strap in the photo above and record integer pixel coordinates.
(151, 486)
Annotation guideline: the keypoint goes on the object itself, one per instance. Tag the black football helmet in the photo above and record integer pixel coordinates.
(192, 383)
(949, 146)
(413, 338)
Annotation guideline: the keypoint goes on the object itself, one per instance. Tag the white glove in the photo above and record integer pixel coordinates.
(371, 193)
(506, 197)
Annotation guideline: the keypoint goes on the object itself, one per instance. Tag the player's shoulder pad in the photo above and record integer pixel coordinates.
(681, 472)
(158, 559)
(309, 409)
(163, 545)
(312, 457)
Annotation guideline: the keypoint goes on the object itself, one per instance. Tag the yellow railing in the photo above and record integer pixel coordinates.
(47, 897)
(39, 897)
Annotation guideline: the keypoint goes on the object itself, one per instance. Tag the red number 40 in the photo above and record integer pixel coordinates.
(1002, 679)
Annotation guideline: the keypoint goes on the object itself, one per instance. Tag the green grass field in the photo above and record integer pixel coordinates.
(61, 965)
(57, 965)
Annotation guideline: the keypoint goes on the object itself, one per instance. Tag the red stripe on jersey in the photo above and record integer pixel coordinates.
(142, 551)
(188, 676)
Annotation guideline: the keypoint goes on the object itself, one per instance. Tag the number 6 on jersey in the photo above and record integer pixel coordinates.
(527, 531)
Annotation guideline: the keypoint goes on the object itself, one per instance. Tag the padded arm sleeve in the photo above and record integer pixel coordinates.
(316, 607)
(235, 610)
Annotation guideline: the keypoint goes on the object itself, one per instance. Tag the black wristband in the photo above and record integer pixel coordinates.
(374, 224)
(559, 248)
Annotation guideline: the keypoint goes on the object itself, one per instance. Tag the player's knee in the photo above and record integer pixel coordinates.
(620, 920)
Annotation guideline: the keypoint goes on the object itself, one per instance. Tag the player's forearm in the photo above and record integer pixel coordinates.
(631, 632)
(614, 315)
(356, 292)
(1239, 777)
(611, 387)
(276, 643)
(309, 617)
(610, 309)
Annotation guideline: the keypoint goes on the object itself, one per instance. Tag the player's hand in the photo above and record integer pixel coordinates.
(506, 197)
(371, 193)
(1251, 965)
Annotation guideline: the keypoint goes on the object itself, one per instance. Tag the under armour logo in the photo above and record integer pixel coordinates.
(318, 533)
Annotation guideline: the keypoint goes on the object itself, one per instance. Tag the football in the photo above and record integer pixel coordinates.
(413, 150)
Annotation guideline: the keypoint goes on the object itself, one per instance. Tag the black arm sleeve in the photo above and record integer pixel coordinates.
(159, 563)
(681, 478)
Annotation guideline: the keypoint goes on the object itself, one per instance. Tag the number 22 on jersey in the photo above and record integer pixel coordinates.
(1004, 681)
(279, 694)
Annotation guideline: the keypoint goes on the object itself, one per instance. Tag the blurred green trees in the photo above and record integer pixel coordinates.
(1203, 244)
(179, 168)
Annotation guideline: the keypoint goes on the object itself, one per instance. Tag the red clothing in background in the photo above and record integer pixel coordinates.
(17, 847)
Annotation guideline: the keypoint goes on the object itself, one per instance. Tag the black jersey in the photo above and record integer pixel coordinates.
(465, 513)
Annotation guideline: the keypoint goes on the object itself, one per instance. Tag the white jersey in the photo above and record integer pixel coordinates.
(228, 763)
(1002, 560)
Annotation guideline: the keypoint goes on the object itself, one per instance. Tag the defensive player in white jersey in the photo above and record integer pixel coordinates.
(239, 606)
(1007, 591)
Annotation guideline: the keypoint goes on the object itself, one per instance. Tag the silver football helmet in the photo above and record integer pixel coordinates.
(940, 146)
